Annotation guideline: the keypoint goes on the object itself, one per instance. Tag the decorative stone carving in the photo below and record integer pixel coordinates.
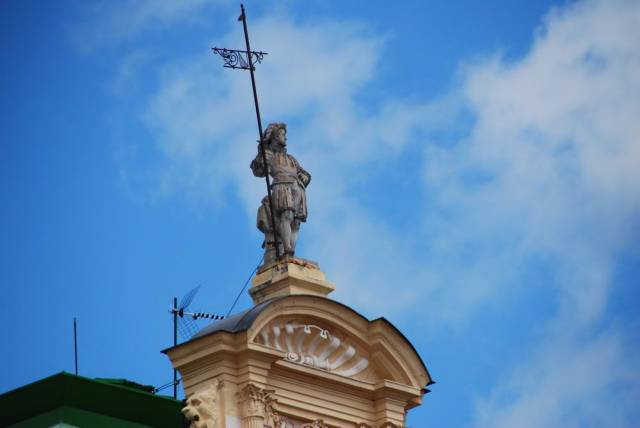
(259, 407)
(314, 346)
(315, 424)
(392, 383)
(284, 422)
(202, 407)
(272, 417)
(252, 401)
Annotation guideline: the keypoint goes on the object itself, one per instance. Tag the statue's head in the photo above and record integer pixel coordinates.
(276, 135)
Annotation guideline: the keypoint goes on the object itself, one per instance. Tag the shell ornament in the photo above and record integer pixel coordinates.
(314, 346)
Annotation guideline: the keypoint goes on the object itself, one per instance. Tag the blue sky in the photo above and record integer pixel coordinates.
(475, 180)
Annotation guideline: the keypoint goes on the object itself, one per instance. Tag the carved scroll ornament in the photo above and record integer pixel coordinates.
(314, 346)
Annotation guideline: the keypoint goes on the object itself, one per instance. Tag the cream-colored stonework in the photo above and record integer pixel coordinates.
(315, 424)
(314, 346)
(202, 407)
(289, 277)
(301, 360)
(258, 407)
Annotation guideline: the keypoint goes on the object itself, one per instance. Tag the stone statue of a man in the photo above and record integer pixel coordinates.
(289, 181)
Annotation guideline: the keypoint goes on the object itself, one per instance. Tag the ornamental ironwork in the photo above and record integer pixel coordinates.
(234, 58)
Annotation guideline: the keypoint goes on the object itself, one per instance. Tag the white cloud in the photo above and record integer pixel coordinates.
(553, 130)
(548, 169)
(556, 146)
(108, 22)
(569, 383)
(204, 120)
(554, 150)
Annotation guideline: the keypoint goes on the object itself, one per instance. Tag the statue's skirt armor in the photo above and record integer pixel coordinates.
(289, 196)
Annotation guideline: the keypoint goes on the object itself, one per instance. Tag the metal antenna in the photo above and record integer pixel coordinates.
(243, 60)
(75, 344)
(185, 321)
(175, 343)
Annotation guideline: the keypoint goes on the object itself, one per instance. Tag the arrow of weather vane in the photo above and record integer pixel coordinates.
(245, 60)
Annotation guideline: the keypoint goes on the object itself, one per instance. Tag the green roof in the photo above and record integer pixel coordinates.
(65, 399)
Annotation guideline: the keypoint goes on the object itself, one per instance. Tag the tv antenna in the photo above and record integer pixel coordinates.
(186, 324)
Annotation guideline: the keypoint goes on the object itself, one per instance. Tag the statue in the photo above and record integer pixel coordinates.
(287, 191)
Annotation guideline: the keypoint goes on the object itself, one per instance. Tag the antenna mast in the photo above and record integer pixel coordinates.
(187, 326)
(75, 344)
(175, 343)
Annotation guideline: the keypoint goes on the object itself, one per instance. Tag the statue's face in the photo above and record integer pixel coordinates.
(280, 137)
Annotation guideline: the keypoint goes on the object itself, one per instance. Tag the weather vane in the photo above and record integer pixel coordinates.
(285, 206)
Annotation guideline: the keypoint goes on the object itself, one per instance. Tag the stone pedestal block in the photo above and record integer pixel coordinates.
(289, 277)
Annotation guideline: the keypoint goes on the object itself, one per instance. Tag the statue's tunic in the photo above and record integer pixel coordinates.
(289, 182)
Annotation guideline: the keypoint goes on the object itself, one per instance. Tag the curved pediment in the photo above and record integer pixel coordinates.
(325, 335)
(297, 357)
(302, 349)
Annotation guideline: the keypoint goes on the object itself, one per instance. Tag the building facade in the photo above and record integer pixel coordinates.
(299, 359)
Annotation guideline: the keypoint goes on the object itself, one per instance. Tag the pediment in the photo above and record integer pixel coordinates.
(316, 344)
(320, 334)
(309, 354)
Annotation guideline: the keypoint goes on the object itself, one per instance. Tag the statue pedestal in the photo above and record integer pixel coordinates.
(289, 277)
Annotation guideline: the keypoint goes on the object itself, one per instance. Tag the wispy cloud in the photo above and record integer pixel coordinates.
(109, 22)
(546, 170)
(310, 81)
(555, 147)
(553, 150)
(550, 149)
(568, 383)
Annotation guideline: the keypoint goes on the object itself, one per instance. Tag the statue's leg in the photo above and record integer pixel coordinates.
(295, 229)
(281, 239)
(284, 230)
(269, 249)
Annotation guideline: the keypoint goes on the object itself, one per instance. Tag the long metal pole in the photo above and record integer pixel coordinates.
(243, 16)
(175, 343)
(75, 344)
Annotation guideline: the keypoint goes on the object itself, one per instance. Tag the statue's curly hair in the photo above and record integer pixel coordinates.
(266, 137)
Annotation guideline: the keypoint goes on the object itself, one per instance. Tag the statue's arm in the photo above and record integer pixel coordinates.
(257, 165)
(303, 175)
